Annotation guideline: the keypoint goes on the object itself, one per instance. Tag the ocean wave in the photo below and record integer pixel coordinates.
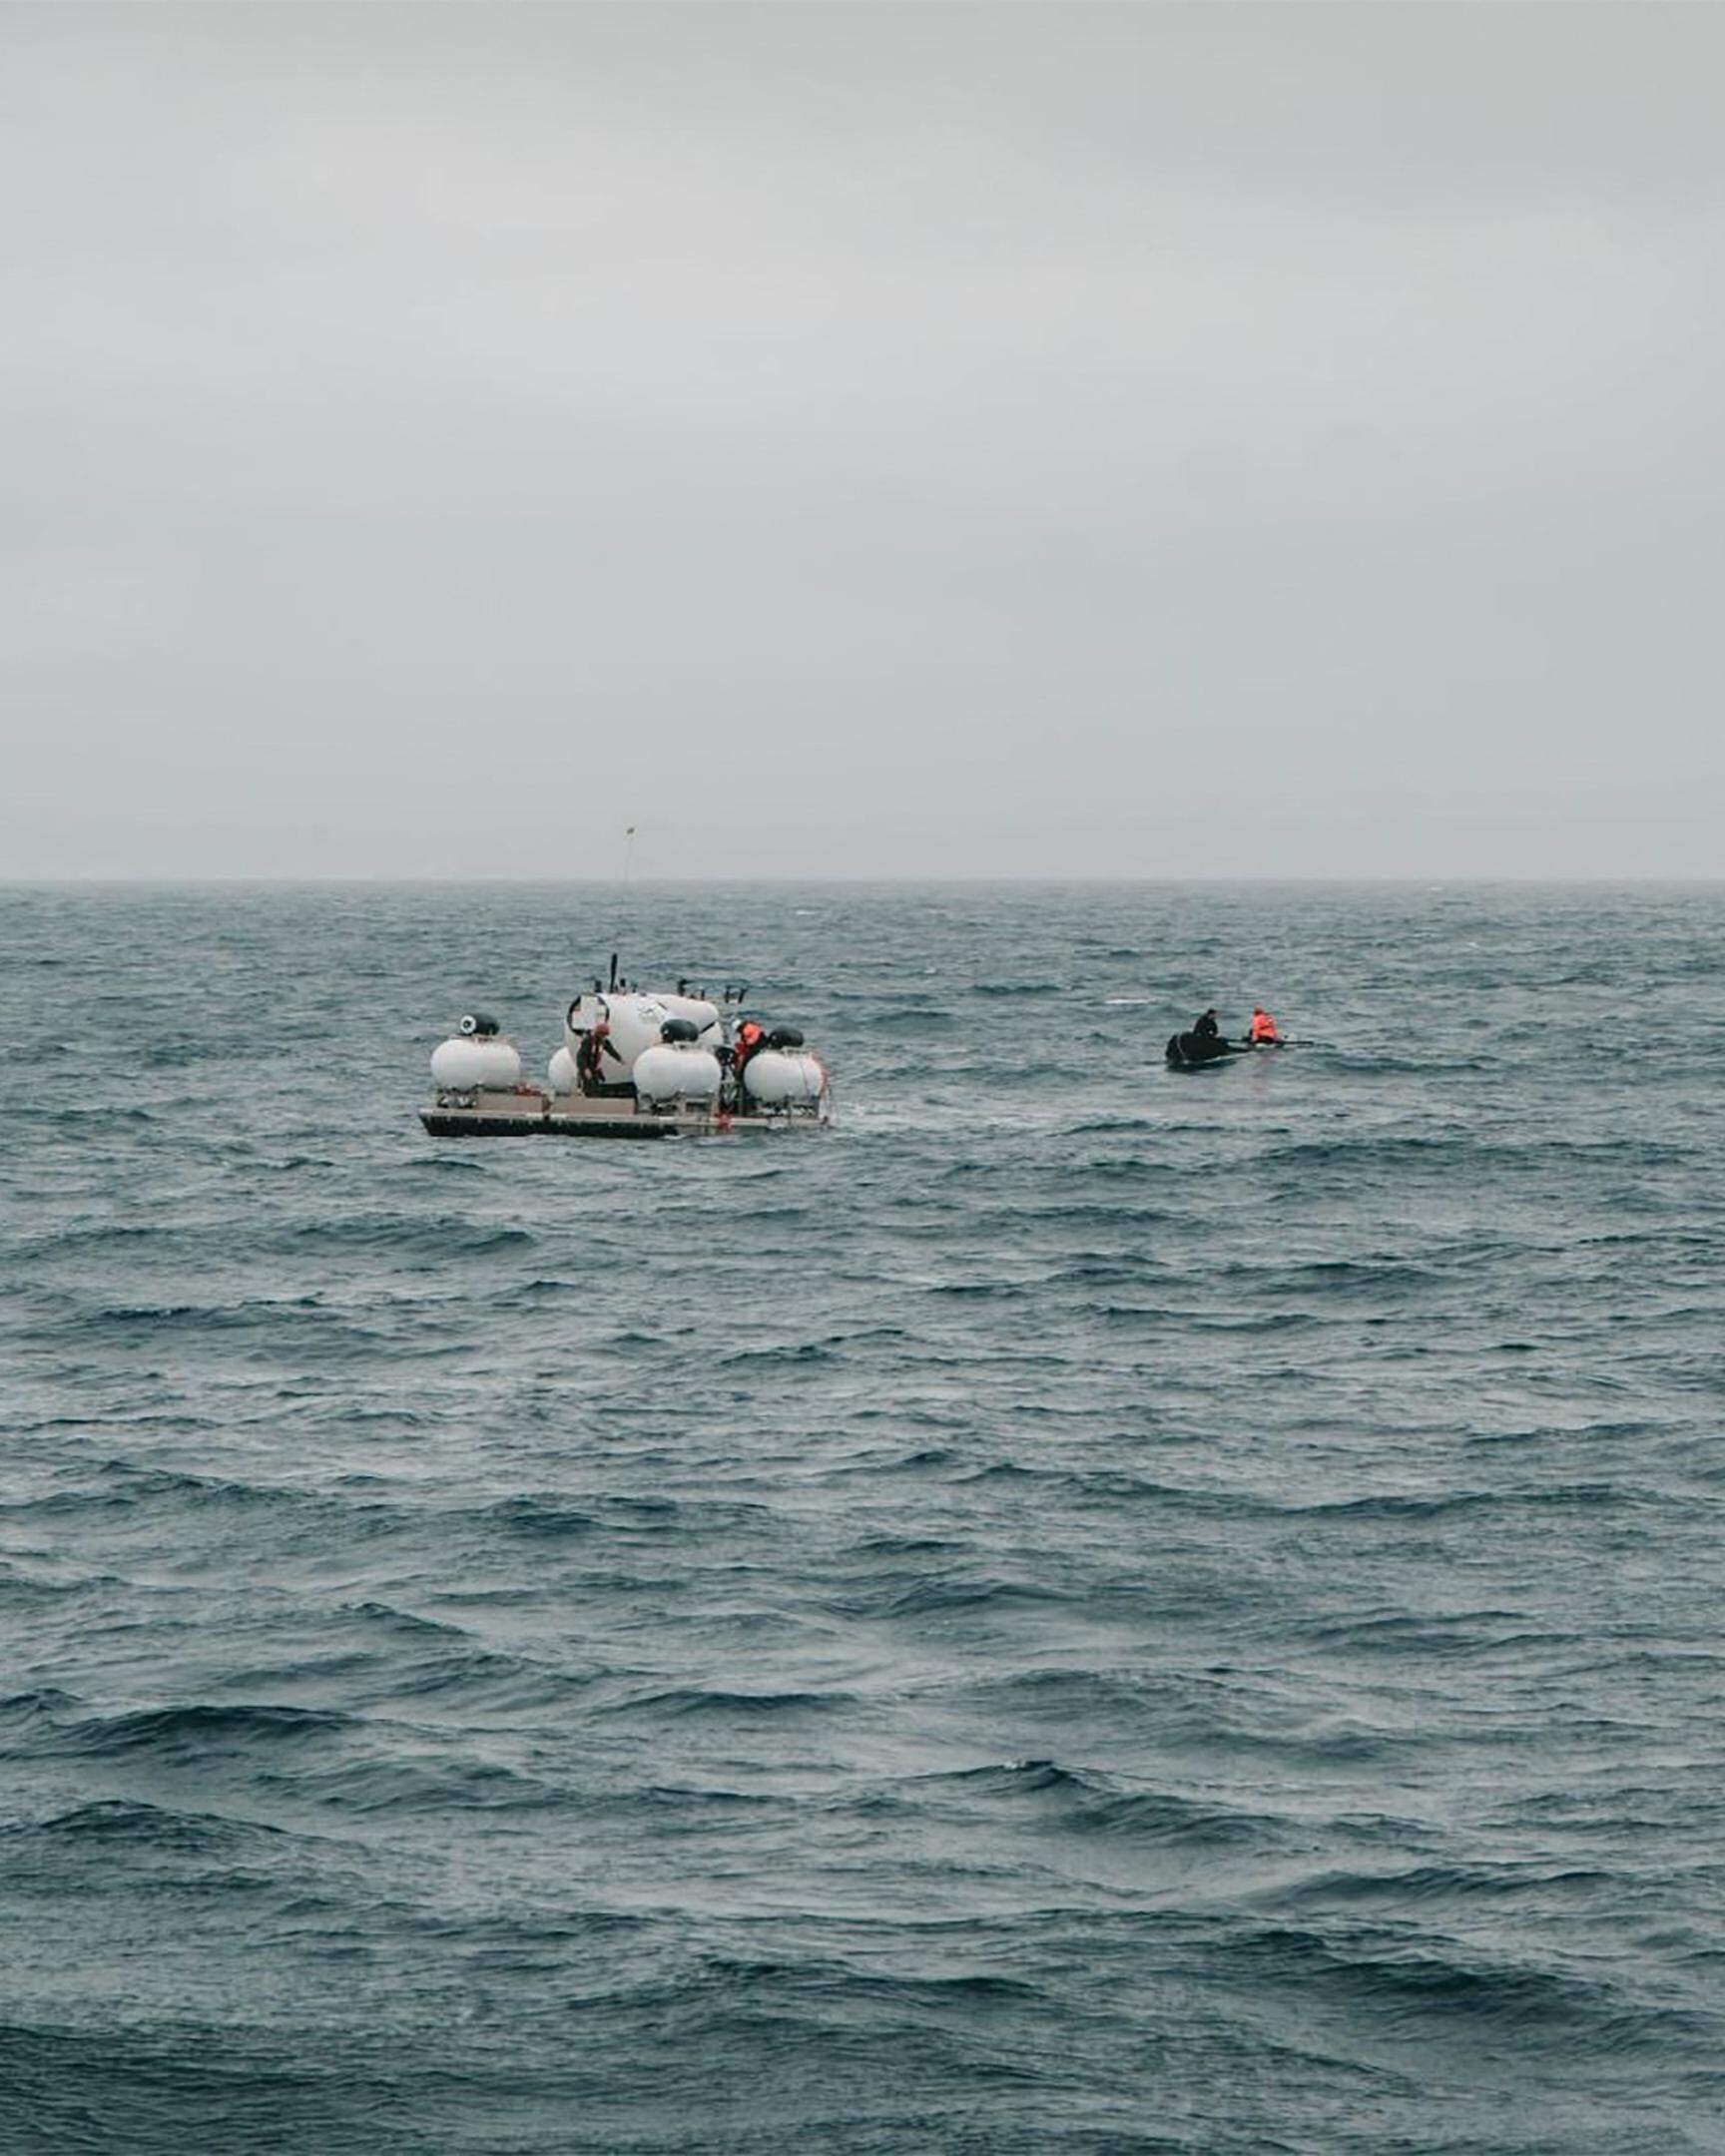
(138, 1829)
(541, 1514)
(45, 1704)
(412, 1785)
(400, 1237)
(683, 1702)
(1085, 1802)
(801, 1354)
(547, 1512)
(1442, 1504)
(407, 1622)
(1416, 1887)
(200, 1733)
(1412, 1987)
(948, 1595)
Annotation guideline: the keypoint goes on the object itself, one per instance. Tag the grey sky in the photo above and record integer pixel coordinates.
(867, 439)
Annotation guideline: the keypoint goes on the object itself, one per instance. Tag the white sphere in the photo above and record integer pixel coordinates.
(504, 1068)
(561, 1072)
(675, 1072)
(458, 1065)
(465, 1062)
(777, 1079)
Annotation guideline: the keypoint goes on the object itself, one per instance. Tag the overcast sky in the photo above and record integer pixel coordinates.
(865, 440)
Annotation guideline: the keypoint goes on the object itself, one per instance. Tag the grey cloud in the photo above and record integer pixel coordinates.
(900, 439)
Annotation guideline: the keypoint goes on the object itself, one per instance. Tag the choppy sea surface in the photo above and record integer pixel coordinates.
(1088, 1609)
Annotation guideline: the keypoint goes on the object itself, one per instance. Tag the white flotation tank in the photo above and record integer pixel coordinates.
(676, 1070)
(783, 1078)
(561, 1072)
(469, 1061)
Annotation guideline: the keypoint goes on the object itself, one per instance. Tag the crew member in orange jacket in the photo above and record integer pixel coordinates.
(750, 1039)
(1263, 1033)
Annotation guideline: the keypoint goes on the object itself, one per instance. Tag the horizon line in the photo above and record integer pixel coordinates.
(624, 886)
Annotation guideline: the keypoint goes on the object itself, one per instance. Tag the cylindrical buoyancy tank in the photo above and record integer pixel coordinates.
(676, 1070)
(561, 1072)
(468, 1061)
(634, 1021)
(780, 1080)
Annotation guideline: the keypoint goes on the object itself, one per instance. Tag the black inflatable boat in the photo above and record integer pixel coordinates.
(1202, 1051)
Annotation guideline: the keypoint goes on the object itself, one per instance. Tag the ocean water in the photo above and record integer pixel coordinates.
(1086, 1609)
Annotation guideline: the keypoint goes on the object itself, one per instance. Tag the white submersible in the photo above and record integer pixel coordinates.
(634, 1063)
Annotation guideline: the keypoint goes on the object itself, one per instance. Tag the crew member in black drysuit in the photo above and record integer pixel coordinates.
(588, 1068)
(1206, 1028)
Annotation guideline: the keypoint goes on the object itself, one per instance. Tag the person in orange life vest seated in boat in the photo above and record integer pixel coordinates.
(1263, 1033)
(750, 1039)
(588, 1067)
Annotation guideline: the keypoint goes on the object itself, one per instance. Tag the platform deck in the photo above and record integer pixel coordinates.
(574, 1115)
